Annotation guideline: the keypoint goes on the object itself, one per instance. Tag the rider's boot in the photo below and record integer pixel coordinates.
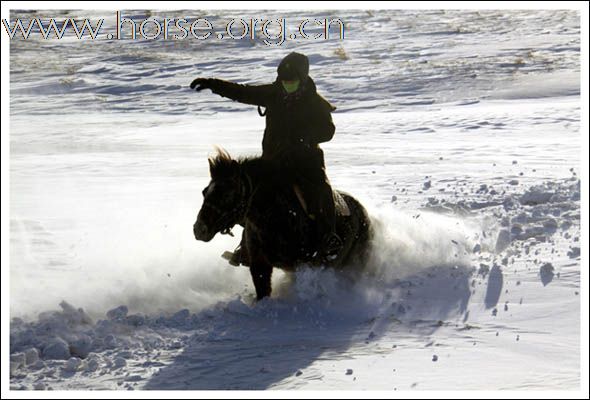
(331, 246)
(236, 257)
(330, 243)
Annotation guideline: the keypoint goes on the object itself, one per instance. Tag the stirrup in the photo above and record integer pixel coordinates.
(233, 258)
(331, 246)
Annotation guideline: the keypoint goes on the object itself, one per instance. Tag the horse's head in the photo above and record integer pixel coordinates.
(223, 199)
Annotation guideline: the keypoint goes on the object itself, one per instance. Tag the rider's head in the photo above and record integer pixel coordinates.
(293, 72)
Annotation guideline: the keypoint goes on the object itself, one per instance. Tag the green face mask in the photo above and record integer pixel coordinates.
(290, 86)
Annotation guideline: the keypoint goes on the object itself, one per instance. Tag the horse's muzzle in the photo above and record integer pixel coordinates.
(202, 232)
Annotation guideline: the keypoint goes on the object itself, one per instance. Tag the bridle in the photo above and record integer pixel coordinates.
(246, 192)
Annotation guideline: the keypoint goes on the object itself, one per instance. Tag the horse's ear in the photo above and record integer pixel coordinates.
(211, 166)
(216, 167)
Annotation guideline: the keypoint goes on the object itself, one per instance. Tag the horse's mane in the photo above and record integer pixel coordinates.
(223, 165)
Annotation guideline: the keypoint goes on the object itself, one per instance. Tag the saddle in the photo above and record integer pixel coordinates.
(340, 205)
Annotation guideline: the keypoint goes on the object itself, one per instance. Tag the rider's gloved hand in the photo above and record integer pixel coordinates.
(201, 83)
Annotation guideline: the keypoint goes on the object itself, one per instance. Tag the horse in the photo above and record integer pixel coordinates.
(261, 197)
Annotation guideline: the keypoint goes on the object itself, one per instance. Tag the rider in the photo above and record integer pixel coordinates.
(297, 120)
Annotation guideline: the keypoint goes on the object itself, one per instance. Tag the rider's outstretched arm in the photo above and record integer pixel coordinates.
(257, 95)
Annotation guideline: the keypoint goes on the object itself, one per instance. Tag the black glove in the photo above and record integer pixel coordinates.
(201, 83)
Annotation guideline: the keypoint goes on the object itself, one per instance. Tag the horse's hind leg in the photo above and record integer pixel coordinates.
(261, 271)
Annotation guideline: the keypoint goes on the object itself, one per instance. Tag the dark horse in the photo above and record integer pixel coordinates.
(256, 194)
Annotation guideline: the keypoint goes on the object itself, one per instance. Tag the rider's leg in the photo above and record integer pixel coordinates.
(329, 241)
(320, 207)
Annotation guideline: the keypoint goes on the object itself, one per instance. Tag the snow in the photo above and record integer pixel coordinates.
(460, 133)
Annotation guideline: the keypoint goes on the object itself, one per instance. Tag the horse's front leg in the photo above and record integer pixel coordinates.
(261, 271)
